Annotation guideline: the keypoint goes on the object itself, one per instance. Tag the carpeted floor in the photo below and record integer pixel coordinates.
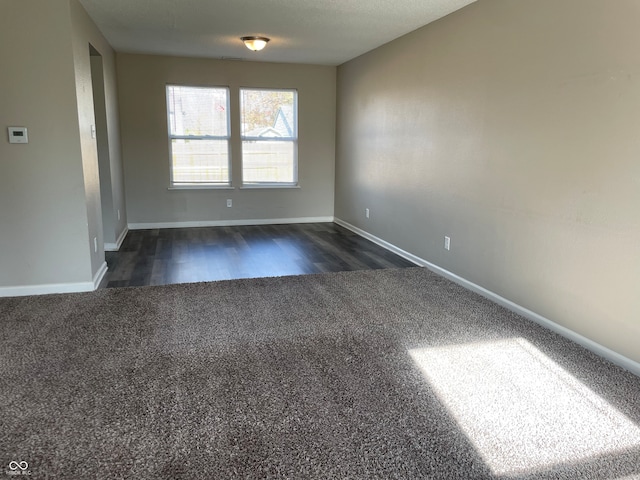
(359, 375)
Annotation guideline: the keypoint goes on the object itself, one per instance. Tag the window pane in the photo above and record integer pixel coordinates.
(268, 162)
(268, 113)
(197, 111)
(200, 161)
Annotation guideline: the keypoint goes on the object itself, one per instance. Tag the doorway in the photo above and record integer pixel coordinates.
(109, 220)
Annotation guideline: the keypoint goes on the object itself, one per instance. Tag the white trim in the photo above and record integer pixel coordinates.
(268, 186)
(45, 289)
(97, 278)
(589, 344)
(378, 241)
(114, 247)
(49, 288)
(229, 223)
(203, 186)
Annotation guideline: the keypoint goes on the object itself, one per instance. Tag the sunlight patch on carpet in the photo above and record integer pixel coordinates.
(522, 412)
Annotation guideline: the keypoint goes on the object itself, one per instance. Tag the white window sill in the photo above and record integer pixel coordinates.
(200, 187)
(268, 186)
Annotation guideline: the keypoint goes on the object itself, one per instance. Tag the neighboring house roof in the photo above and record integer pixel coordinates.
(263, 132)
(282, 127)
(284, 123)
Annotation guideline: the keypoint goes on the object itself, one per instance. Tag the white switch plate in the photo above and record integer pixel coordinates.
(18, 135)
(447, 243)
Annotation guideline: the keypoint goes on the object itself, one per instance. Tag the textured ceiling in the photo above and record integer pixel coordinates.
(326, 32)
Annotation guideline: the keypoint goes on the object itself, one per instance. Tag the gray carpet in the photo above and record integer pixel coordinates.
(374, 374)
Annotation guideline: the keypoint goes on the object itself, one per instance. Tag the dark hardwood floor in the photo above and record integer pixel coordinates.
(182, 255)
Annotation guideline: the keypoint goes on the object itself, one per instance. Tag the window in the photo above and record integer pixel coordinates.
(199, 135)
(269, 131)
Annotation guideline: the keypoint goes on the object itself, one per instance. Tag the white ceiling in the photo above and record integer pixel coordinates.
(324, 32)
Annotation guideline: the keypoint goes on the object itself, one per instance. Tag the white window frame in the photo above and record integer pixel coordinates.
(294, 141)
(200, 185)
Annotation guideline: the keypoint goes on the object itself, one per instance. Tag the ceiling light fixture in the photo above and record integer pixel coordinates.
(255, 43)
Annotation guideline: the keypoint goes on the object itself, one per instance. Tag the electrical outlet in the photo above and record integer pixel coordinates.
(366, 212)
(447, 243)
(229, 202)
(118, 214)
(95, 244)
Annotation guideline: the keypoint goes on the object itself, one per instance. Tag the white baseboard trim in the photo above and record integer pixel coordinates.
(114, 247)
(589, 344)
(45, 289)
(49, 288)
(229, 223)
(378, 241)
(97, 278)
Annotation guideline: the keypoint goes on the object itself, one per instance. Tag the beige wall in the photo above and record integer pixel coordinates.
(102, 143)
(511, 127)
(86, 33)
(103, 79)
(82, 27)
(43, 233)
(49, 188)
(141, 85)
